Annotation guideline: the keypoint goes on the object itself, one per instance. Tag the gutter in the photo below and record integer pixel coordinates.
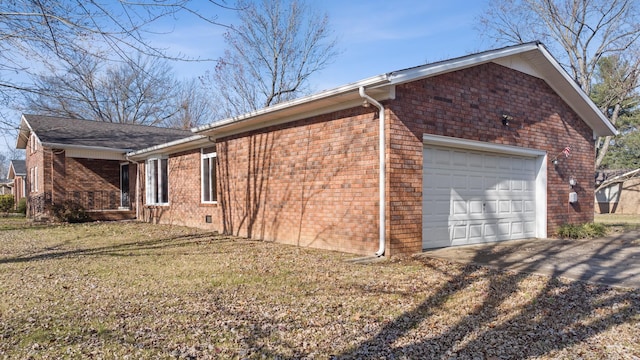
(382, 179)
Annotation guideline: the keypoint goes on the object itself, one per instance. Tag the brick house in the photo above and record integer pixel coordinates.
(472, 149)
(17, 175)
(84, 162)
(5, 186)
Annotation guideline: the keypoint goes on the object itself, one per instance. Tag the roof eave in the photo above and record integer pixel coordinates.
(554, 75)
(297, 108)
(189, 143)
(578, 99)
(23, 133)
(84, 147)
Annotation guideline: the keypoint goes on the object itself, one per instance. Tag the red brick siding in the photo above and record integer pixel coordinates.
(60, 176)
(35, 160)
(311, 183)
(469, 104)
(185, 200)
(314, 182)
(18, 190)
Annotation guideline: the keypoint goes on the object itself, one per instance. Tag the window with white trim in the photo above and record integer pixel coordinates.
(208, 175)
(157, 181)
(33, 186)
(33, 143)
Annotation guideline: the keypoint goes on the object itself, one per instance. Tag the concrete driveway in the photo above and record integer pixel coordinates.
(612, 260)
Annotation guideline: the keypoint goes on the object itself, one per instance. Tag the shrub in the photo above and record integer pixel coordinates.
(6, 203)
(22, 206)
(583, 231)
(70, 212)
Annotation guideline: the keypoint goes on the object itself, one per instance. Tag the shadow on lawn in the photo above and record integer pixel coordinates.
(557, 317)
(129, 248)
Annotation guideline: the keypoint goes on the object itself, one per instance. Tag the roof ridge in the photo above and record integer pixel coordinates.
(101, 122)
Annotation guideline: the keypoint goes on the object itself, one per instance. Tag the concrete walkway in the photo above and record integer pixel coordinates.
(612, 260)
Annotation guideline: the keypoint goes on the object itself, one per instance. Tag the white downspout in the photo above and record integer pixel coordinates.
(382, 173)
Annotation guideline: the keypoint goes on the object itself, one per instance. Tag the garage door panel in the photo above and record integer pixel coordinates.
(471, 197)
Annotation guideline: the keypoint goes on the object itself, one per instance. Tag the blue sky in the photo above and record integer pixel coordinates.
(374, 37)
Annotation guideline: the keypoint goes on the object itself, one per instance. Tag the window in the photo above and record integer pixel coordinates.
(33, 143)
(209, 191)
(157, 181)
(33, 186)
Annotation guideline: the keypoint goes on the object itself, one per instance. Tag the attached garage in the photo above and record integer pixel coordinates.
(477, 192)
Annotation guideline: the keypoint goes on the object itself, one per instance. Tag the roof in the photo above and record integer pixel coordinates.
(79, 133)
(17, 168)
(531, 58)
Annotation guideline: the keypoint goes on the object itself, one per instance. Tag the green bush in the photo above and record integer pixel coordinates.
(583, 231)
(70, 212)
(6, 203)
(22, 206)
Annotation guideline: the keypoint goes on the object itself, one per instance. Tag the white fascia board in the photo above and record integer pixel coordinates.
(429, 70)
(605, 127)
(83, 147)
(24, 132)
(191, 142)
(88, 152)
(353, 87)
(446, 141)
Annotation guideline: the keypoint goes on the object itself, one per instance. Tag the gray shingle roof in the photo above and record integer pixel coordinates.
(19, 167)
(79, 132)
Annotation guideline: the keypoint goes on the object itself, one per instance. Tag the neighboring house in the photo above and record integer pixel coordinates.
(620, 196)
(5, 187)
(84, 162)
(487, 147)
(17, 174)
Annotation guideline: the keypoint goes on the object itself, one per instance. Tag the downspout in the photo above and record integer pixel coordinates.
(382, 173)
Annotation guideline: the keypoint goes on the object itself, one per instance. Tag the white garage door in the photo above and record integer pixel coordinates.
(473, 197)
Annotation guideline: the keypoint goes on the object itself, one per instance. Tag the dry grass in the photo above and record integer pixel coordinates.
(627, 221)
(146, 291)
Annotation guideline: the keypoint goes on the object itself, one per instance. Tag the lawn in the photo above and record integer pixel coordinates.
(132, 290)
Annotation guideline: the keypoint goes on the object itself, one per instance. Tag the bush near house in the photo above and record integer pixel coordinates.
(6, 203)
(22, 206)
(69, 211)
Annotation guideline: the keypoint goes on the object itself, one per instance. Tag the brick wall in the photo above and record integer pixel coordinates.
(35, 160)
(469, 104)
(90, 182)
(185, 206)
(310, 183)
(18, 190)
(314, 182)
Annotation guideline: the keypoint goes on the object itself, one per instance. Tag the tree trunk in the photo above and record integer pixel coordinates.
(607, 140)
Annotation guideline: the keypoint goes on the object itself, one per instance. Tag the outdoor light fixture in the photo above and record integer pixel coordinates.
(365, 104)
(572, 182)
(506, 119)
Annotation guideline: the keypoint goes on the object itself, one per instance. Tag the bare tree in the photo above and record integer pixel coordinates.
(35, 33)
(139, 91)
(193, 104)
(582, 32)
(271, 55)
